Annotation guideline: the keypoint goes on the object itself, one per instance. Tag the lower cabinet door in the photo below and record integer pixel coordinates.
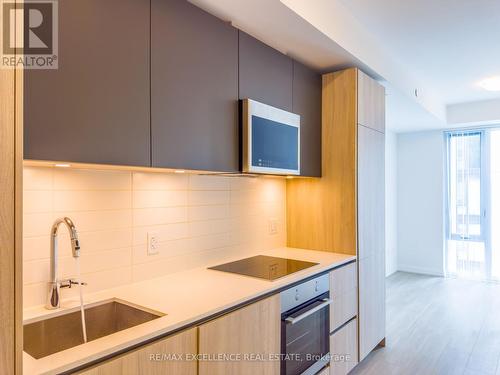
(166, 356)
(344, 293)
(344, 349)
(371, 303)
(343, 308)
(246, 341)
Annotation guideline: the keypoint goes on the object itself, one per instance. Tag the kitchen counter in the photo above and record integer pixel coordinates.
(185, 297)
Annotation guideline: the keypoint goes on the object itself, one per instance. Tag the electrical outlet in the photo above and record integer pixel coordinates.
(273, 226)
(153, 243)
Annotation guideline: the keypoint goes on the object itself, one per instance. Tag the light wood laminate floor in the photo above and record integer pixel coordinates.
(438, 326)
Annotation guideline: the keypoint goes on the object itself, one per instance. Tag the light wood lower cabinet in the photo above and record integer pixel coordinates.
(166, 356)
(250, 331)
(344, 349)
(344, 292)
(343, 308)
(343, 279)
(371, 303)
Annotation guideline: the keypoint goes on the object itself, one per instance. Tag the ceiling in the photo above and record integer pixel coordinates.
(281, 28)
(450, 44)
(404, 115)
(439, 48)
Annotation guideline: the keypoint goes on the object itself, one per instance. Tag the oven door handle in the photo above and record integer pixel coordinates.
(325, 303)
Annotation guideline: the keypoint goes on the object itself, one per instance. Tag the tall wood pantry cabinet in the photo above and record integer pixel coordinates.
(343, 211)
(371, 213)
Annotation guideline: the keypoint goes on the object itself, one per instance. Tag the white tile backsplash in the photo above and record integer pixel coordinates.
(159, 181)
(197, 213)
(203, 182)
(91, 179)
(39, 201)
(98, 220)
(167, 249)
(36, 224)
(159, 198)
(159, 215)
(198, 219)
(206, 198)
(165, 232)
(38, 179)
(92, 200)
(203, 228)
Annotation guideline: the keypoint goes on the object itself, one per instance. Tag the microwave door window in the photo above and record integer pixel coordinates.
(274, 145)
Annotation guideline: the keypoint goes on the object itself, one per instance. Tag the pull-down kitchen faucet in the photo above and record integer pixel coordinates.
(53, 300)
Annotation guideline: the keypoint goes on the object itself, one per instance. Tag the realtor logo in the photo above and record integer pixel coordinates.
(29, 34)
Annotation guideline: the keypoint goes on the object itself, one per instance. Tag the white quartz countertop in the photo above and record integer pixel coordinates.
(185, 297)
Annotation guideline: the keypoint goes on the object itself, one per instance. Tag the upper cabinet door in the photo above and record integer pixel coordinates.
(95, 107)
(371, 103)
(266, 75)
(307, 103)
(194, 88)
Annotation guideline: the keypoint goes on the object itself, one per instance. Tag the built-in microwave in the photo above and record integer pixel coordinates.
(270, 139)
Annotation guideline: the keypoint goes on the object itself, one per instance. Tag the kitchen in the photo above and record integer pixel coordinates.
(216, 206)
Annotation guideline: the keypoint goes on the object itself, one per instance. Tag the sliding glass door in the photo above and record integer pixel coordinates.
(472, 249)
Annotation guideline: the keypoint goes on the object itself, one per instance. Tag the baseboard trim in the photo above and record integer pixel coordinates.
(421, 270)
(392, 272)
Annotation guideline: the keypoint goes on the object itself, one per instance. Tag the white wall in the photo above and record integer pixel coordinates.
(474, 113)
(391, 222)
(420, 179)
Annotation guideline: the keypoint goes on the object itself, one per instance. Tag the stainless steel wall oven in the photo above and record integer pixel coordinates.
(305, 327)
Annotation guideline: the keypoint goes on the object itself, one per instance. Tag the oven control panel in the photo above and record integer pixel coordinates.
(301, 293)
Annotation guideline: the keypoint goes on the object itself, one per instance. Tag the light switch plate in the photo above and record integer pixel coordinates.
(153, 243)
(273, 226)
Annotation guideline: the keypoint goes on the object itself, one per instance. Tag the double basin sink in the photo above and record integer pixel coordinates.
(54, 334)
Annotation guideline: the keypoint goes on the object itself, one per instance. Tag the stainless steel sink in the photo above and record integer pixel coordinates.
(51, 335)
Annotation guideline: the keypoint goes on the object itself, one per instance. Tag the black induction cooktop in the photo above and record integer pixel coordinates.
(264, 267)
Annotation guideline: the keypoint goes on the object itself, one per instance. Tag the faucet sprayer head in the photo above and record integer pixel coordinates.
(75, 246)
(75, 242)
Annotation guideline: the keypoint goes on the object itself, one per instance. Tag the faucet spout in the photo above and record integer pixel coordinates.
(75, 243)
(53, 300)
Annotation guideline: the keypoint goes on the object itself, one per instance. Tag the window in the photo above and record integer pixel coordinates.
(473, 204)
(465, 186)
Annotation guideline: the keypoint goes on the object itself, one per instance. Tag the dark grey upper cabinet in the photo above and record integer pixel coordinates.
(156, 83)
(265, 73)
(95, 107)
(194, 88)
(307, 103)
